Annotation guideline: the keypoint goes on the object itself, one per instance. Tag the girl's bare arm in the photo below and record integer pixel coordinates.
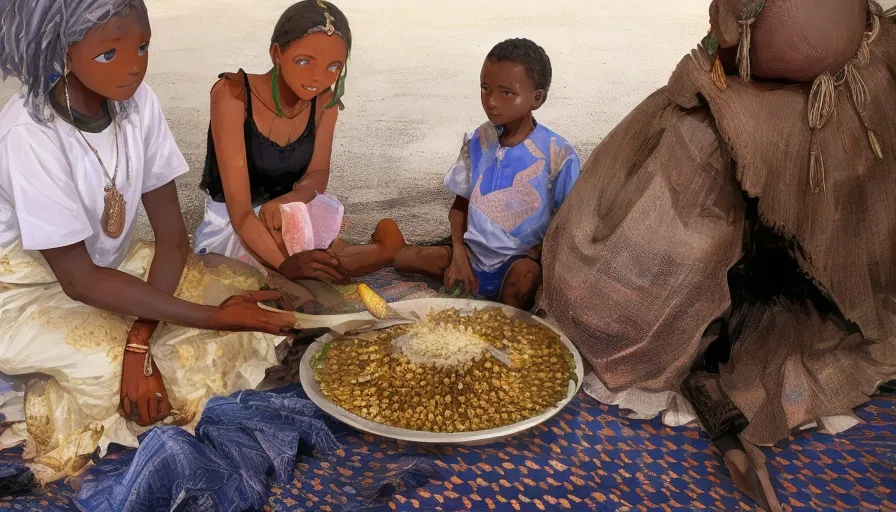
(228, 113)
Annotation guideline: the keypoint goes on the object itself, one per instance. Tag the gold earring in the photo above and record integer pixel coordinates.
(68, 100)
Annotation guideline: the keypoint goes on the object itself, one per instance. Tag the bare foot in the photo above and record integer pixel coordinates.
(359, 260)
(389, 235)
(751, 476)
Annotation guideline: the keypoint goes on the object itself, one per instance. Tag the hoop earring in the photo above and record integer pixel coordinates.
(275, 90)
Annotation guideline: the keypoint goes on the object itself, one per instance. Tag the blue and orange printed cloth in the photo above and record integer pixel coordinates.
(587, 458)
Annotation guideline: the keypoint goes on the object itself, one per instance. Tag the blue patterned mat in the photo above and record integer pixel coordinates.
(590, 458)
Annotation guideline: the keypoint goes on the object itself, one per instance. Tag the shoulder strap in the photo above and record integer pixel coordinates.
(248, 94)
(312, 118)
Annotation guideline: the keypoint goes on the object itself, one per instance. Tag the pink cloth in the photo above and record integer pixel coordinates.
(311, 226)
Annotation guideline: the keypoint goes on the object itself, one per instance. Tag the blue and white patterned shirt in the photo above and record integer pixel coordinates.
(513, 191)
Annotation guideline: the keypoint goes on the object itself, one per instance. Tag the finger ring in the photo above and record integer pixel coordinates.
(159, 396)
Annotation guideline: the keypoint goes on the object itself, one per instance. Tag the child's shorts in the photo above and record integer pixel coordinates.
(492, 281)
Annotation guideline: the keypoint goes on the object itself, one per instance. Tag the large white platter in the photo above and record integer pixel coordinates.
(423, 307)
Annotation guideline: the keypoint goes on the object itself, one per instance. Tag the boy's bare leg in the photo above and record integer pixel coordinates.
(359, 260)
(521, 283)
(427, 261)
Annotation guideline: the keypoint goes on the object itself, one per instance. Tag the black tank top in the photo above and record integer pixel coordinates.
(273, 169)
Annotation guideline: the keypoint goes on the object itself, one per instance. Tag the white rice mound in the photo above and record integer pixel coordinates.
(432, 344)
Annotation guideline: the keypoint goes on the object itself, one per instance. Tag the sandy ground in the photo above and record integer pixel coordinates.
(413, 84)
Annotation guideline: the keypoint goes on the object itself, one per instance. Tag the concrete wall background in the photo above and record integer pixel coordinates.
(413, 83)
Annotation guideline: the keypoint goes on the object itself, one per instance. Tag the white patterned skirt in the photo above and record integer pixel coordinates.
(64, 358)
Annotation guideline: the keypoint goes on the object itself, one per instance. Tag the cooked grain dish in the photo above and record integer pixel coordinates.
(443, 374)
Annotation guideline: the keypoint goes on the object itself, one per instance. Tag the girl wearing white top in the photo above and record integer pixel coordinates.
(83, 145)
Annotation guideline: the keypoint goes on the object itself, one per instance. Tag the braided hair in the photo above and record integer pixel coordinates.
(527, 54)
(307, 17)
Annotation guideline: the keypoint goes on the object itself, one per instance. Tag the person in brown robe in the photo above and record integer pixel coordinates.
(734, 238)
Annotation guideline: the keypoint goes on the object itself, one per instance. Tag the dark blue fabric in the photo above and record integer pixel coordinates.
(14, 478)
(243, 445)
(588, 457)
(492, 281)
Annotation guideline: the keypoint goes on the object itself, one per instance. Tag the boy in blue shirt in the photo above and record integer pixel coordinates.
(511, 176)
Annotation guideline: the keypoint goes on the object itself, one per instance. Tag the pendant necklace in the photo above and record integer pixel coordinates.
(114, 204)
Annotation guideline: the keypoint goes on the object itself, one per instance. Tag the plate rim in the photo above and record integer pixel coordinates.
(306, 377)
